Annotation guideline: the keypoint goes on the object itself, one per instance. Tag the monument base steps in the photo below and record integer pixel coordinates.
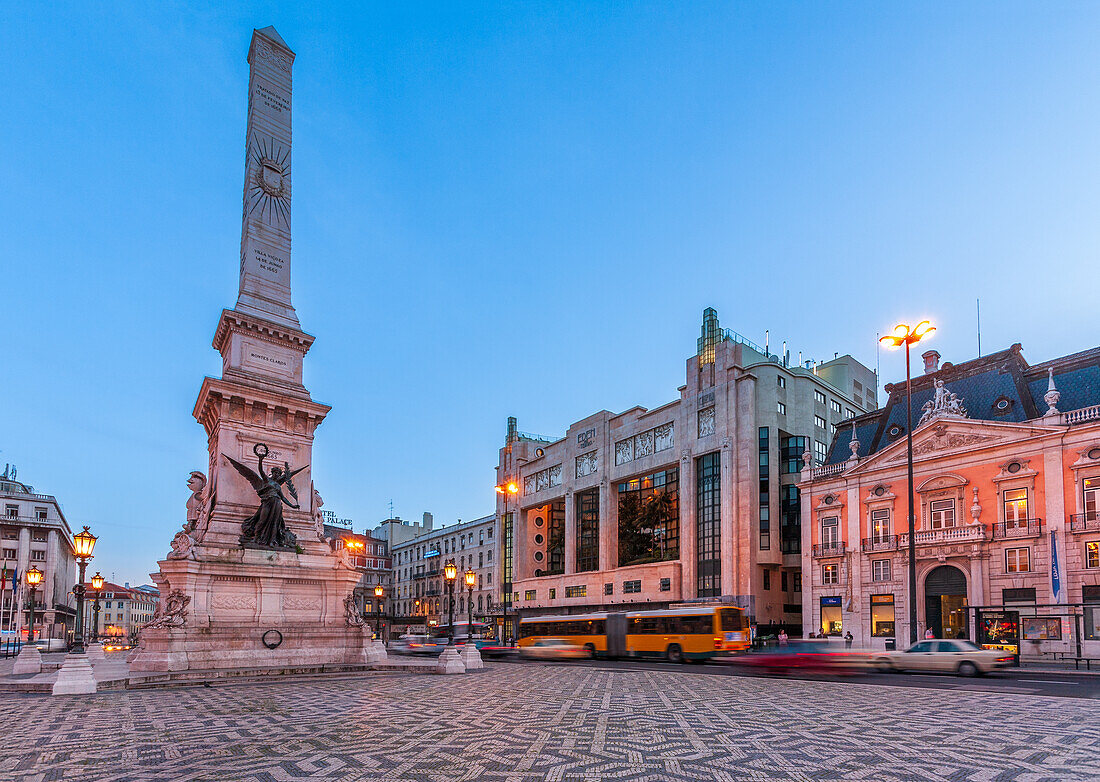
(75, 677)
(28, 661)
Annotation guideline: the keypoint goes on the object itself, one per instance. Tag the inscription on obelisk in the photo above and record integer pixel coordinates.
(265, 233)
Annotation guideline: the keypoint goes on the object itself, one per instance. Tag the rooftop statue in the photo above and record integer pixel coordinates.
(265, 528)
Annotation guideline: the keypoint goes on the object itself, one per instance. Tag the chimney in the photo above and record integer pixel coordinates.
(931, 361)
(513, 429)
(427, 521)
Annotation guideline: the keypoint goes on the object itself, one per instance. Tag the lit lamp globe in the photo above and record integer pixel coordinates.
(450, 571)
(470, 577)
(378, 591)
(97, 582)
(83, 543)
(34, 577)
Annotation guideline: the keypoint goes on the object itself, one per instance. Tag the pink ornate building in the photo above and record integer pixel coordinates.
(1006, 466)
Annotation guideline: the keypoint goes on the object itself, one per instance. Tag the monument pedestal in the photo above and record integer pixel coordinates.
(471, 657)
(246, 608)
(94, 650)
(450, 662)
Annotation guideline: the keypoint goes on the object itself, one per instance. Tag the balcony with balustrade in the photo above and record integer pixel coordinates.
(882, 543)
(1020, 528)
(1085, 522)
(832, 549)
(936, 537)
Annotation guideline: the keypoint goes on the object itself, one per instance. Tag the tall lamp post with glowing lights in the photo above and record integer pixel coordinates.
(470, 579)
(97, 585)
(903, 335)
(450, 574)
(83, 544)
(378, 609)
(34, 578)
(506, 490)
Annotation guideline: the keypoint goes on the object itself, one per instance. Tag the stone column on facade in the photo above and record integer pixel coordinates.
(688, 540)
(809, 590)
(570, 534)
(609, 521)
(745, 483)
(854, 615)
(730, 543)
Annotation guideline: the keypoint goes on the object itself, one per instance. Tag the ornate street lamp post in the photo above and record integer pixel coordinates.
(470, 578)
(378, 609)
(97, 585)
(83, 543)
(450, 573)
(34, 578)
(903, 335)
(505, 490)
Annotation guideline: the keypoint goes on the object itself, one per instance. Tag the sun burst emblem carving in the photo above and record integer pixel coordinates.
(268, 191)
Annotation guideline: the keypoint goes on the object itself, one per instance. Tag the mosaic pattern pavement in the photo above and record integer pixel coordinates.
(515, 723)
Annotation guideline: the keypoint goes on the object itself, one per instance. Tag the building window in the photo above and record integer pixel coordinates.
(820, 422)
(790, 521)
(880, 525)
(1092, 554)
(882, 616)
(38, 556)
(819, 397)
(1017, 560)
(555, 538)
(781, 381)
(880, 570)
(783, 580)
(1015, 501)
(553, 594)
(830, 616)
(835, 405)
(609, 589)
(649, 518)
(830, 532)
(830, 574)
(796, 577)
(666, 584)
(821, 452)
(588, 530)
(576, 591)
(529, 594)
(780, 408)
(39, 535)
(791, 449)
(708, 495)
(942, 514)
(632, 587)
(767, 580)
(9, 553)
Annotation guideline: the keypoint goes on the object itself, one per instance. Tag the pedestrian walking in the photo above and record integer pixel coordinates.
(928, 634)
(782, 637)
(848, 640)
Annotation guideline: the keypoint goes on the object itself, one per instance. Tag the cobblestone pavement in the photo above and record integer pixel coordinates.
(516, 723)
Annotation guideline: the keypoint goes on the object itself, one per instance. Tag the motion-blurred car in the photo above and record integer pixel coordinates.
(116, 646)
(959, 656)
(417, 644)
(805, 657)
(554, 648)
(51, 644)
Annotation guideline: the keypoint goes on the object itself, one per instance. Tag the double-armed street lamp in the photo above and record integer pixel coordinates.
(903, 335)
(34, 578)
(506, 490)
(83, 544)
(470, 578)
(450, 573)
(378, 609)
(97, 585)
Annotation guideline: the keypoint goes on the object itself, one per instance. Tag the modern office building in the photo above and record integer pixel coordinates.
(696, 499)
(1007, 507)
(420, 591)
(35, 533)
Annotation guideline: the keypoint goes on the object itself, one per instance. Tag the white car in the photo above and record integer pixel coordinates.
(945, 656)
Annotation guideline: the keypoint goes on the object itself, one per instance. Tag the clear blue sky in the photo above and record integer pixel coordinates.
(517, 209)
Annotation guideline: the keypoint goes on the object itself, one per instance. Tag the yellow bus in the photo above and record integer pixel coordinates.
(677, 634)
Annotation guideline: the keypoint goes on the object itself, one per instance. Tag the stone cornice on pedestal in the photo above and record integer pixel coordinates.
(232, 320)
(218, 391)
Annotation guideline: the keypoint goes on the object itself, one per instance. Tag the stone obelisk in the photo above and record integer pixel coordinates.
(225, 603)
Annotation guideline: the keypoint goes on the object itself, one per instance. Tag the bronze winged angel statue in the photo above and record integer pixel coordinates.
(265, 528)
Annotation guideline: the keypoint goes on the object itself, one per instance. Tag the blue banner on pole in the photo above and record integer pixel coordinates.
(1055, 574)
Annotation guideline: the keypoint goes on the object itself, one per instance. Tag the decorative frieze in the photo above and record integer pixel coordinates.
(543, 479)
(587, 463)
(706, 421)
(647, 443)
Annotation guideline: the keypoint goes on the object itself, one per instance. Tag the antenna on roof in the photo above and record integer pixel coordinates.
(979, 308)
(391, 509)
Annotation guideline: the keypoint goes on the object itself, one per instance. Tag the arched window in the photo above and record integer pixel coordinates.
(479, 602)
